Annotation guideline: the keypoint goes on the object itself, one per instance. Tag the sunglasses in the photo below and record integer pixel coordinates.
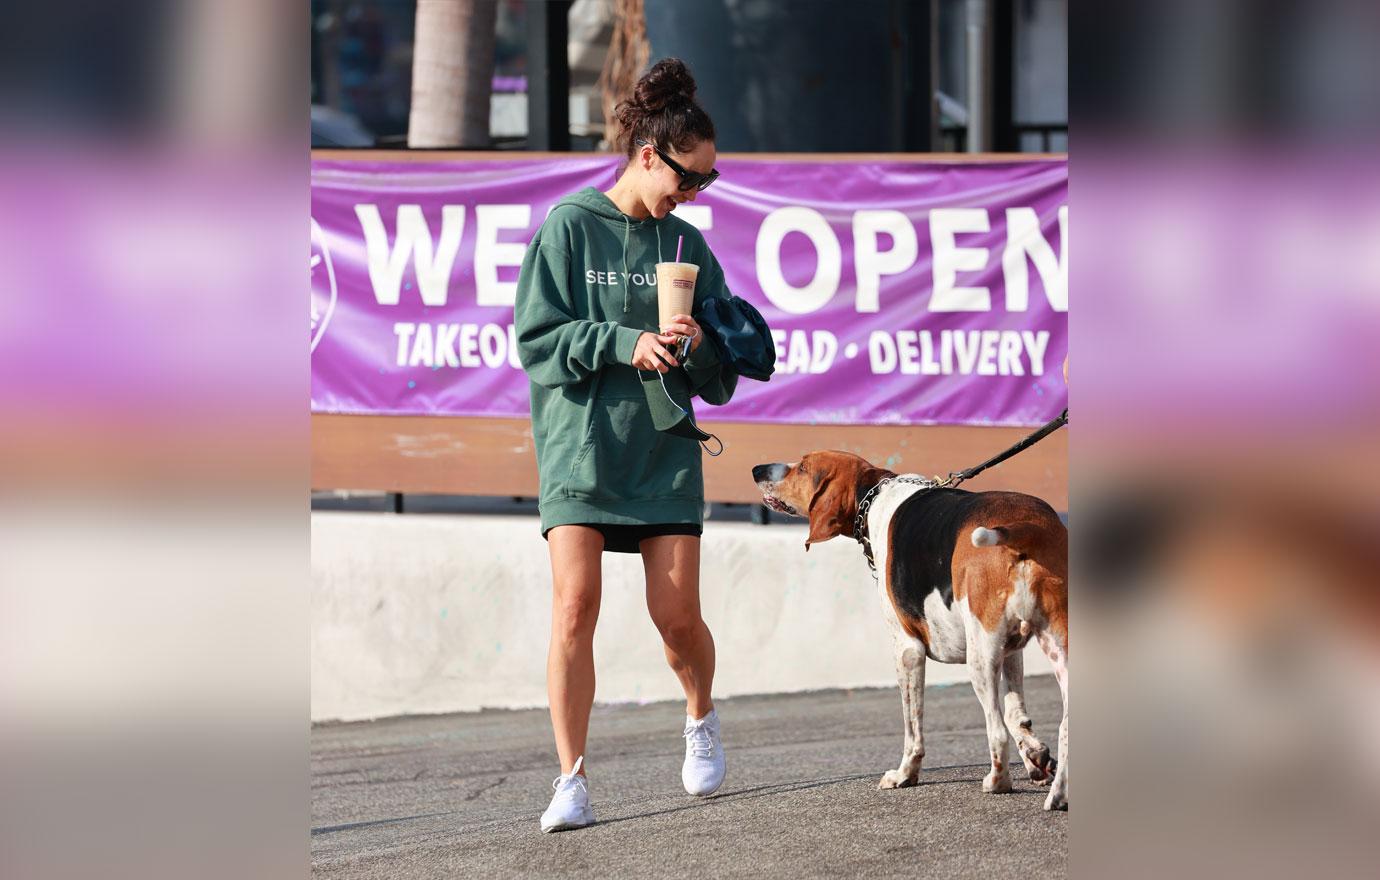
(688, 179)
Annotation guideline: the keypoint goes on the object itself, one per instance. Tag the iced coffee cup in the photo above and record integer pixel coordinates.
(675, 290)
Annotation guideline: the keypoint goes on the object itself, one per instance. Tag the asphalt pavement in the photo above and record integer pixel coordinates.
(459, 796)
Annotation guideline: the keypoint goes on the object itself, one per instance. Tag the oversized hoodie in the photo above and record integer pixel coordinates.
(586, 293)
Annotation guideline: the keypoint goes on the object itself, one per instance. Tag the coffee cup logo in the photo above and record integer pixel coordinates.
(323, 289)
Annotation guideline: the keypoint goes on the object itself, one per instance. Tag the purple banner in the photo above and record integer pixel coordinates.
(899, 292)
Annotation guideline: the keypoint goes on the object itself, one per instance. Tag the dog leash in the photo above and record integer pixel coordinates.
(951, 481)
(1053, 425)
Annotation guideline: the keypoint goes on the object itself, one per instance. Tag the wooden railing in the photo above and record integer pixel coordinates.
(475, 456)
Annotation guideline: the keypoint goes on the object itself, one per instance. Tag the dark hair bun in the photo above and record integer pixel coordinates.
(663, 110)
(668, 83)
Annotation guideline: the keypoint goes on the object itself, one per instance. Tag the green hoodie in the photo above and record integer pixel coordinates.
(586, 293)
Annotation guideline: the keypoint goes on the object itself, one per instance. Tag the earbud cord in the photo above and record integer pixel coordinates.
(690, 415)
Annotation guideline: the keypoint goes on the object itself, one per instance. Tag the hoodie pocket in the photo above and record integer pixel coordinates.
(624, 458)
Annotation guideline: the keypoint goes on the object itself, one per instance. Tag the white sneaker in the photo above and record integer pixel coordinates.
(570, 805)
(703, 771)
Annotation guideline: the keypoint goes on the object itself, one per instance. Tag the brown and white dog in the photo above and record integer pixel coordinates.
(965, 577)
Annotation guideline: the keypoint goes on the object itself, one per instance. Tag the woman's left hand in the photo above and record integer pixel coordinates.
(684, 325)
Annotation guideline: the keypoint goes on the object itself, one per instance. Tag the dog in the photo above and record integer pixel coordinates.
(964, 577)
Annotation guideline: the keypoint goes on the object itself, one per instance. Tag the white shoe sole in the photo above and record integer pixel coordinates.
(702, 793)
(566, 826)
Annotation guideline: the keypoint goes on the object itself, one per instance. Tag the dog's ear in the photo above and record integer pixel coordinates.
(828, 512)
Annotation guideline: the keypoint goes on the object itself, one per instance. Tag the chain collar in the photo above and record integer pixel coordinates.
(860, 533)
(860, 521)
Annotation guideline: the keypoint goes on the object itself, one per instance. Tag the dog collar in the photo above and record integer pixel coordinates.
(860, 531)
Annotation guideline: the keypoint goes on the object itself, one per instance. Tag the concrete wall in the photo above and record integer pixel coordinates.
(423, 614)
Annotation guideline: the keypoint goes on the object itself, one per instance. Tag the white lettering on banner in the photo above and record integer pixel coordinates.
(966, 349)
(432, 256)
(785, 296)
(928, 365)
(513, 360)
(1024, 240)
(870, 264)
(412, 238)
(881, 351)
(804, 351)
(421, 347)
(490, 253)
(699, 216)
(961, 352)
(950, 259)
(469, 346)
(1035, 345)
(798, 361)
(908, 352)
(492, 345)
(1011, 356)
(404, 333)
(445, 345)
(987, 359)
(823, 347)
(434, 345)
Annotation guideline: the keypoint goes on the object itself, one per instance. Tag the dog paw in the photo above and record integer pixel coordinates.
(895, 779)
(994, 783)
(1056, 801)
(1040, 764)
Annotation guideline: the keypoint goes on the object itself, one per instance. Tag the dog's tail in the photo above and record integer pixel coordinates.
(1020, 537)
(983, 537)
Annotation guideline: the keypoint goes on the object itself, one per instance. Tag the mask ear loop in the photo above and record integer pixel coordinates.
(715, 437)
(661, 377)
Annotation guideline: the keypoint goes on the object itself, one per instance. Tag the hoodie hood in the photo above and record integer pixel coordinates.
(592, 200)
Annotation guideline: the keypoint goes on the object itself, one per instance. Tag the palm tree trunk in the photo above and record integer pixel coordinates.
(452, 73)
(625, 63)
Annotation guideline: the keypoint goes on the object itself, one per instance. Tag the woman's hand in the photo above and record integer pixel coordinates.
(684, 325)
(653, 352)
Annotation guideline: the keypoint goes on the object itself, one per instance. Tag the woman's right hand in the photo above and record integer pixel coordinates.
(653, 352)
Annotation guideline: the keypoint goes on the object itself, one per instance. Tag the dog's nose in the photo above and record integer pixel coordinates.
(767, 473)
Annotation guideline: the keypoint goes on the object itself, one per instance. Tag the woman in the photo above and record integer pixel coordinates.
(588, 337)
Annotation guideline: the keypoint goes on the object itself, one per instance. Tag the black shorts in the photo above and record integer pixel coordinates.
(625, 539)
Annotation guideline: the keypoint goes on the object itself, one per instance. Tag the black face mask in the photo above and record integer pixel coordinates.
(668, 398)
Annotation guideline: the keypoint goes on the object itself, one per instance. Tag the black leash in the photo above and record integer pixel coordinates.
(953, 479)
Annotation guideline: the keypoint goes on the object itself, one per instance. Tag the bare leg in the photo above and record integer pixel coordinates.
(1034, 753)
(672, 566)
(576, 588)
(910, 675)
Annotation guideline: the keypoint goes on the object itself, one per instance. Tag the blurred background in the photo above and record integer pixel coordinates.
(790, 75)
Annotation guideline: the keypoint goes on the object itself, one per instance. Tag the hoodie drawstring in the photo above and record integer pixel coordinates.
(627, 279)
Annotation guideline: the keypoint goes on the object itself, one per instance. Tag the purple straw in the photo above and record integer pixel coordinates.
(680, 240)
